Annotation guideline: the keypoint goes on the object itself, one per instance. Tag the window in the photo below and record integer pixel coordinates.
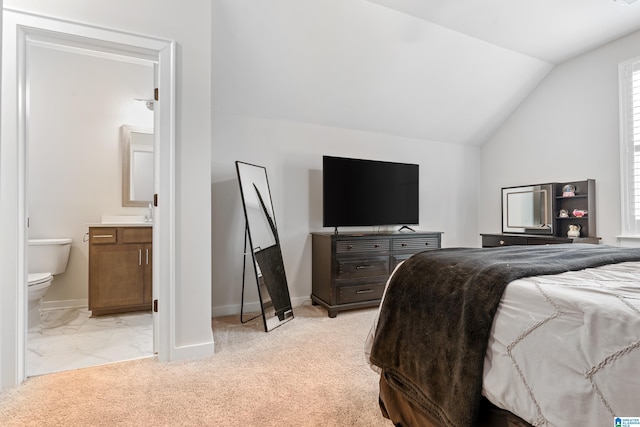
(629, 77)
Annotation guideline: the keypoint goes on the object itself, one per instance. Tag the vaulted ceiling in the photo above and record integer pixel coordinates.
(549, 30)
(438, 70)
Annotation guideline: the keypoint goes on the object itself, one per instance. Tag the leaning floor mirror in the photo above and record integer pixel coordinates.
(261, 234)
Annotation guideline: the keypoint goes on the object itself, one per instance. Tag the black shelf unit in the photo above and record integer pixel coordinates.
(584, 199)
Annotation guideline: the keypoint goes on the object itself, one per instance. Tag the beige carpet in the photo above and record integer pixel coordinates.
(308, 372)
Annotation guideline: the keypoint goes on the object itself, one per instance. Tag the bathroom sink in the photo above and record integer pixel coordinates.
(127, 219)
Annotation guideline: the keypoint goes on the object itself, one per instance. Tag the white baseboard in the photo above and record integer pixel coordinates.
(192, 351)
(251, 307)
(69, 303)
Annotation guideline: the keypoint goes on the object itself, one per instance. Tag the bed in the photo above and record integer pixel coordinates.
(514, 336)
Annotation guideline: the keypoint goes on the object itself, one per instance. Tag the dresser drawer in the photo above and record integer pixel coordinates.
(494, 241)
(360, 292)
(398, 258)
(362, 245)
(547, 241)
(415, 244)
(349, 268)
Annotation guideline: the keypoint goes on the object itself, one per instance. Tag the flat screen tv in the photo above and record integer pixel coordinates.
(358, 192)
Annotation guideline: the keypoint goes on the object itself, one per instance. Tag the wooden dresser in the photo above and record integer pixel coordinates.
(119, 269)
(350, 270)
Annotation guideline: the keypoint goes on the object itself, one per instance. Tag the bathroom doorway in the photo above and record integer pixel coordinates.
(20, 30)
(79, 100)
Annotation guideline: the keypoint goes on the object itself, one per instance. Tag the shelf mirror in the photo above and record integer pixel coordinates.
(262, 235)
(137, 166)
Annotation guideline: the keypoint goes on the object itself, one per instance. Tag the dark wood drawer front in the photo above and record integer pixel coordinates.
(350, 268)
(397, 259)
(493, 241)
(415, 244)
(362, 245)
(543, 241)
(360, 292)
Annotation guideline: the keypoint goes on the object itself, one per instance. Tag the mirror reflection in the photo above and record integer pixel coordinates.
(137, 166)
(527, 209)
(266, 254)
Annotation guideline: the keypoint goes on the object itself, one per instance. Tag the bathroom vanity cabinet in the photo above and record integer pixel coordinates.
(119, 269)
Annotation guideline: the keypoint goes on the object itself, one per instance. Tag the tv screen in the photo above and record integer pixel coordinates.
(359, 192)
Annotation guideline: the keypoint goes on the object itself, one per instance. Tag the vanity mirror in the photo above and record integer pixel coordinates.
(528, 209)
(264, 246)
(137, 166)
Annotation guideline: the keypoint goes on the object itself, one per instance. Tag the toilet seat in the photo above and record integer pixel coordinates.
(35, 279)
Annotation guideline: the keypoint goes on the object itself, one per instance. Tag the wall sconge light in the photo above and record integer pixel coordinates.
(149, 102)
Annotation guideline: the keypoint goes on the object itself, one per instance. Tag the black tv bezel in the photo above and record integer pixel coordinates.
(370, 223)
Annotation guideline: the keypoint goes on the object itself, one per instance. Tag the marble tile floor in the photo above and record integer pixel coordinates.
(69, 339)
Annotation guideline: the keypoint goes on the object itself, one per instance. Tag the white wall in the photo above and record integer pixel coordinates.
(568, 129)
(292, 153)
(76, 107)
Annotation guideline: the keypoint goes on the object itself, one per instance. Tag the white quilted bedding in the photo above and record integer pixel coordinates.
(565, 349)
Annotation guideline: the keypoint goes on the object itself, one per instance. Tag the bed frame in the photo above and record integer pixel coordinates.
(402, 412)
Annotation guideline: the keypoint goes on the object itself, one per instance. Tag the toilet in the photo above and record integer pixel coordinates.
(47, 257)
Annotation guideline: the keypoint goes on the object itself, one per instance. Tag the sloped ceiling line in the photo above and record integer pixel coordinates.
(434, 70)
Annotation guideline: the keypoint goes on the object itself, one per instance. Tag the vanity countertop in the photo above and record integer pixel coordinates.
(121, 224)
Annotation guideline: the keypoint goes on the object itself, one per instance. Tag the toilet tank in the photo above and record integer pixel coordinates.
(48, 255)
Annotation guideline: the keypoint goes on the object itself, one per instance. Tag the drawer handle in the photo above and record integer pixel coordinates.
(403, 245)
(502, 242)
(376, 245)
(349, 246)
(426, 243)
(363, 267)
(103, 236)
(364, 291)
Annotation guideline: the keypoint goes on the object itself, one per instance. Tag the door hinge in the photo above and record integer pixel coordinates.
(155, 94)
(155, 305)
(155, 200)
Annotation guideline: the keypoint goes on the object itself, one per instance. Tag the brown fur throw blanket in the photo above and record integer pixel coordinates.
(435, 320)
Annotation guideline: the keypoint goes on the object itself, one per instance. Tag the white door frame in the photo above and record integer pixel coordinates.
(19, 29)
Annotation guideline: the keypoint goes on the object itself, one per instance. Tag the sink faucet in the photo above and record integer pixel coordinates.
(149, 216)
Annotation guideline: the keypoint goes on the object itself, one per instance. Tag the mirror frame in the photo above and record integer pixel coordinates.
(125, 137)
(268, 264)
(546, 209)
